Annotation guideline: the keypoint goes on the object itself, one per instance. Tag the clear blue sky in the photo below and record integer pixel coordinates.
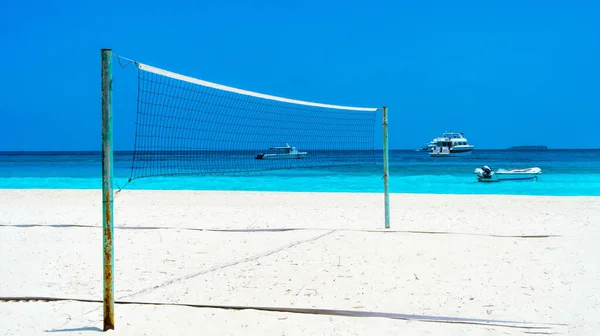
(504, 72)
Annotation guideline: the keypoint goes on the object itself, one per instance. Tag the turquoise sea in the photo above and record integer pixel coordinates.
(565, 173)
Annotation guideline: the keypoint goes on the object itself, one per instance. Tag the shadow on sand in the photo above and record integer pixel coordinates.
(74, 329)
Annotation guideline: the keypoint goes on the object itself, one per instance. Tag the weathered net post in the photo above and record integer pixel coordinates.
(386, 168)
(107, 189)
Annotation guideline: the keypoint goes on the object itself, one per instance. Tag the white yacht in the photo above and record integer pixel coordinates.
(287, 152)
(451, 144)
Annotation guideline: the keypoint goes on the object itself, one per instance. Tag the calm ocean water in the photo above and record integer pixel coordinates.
(565, 172)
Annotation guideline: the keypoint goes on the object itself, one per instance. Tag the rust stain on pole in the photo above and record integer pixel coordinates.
(107, 189)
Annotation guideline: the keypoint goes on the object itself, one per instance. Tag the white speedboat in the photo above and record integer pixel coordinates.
(451, 144)
(286, 152)
(485, 174)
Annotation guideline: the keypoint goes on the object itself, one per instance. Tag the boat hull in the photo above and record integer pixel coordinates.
(450, 153)
(281, 156)
(495, 178)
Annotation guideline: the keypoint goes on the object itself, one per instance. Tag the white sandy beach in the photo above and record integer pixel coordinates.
(497, 264)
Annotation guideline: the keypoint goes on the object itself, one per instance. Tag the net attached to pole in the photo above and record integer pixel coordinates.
(187, 126)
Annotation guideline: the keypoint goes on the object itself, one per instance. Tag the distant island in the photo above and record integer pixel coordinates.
(528, 147)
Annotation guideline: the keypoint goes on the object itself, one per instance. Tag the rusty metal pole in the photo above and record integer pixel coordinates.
(386, 168)
(107, 190)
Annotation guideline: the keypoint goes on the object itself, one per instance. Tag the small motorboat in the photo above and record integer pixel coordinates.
(485, 174)
(286, 152)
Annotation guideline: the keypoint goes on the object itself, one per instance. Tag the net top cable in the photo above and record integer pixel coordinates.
(192, 80)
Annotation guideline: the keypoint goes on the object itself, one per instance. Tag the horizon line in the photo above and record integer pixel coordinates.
(221, 150)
